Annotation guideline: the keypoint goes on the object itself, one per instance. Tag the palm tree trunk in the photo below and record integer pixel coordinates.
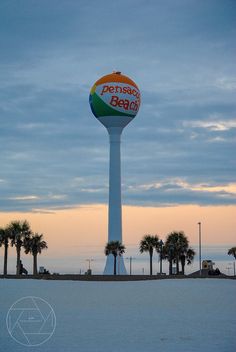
(150, 263)
(177, 264)
(182, 267)
(35, 269)
(5, 259)
(182, 261)
(114, 264)
(170, 266)
(18, 249)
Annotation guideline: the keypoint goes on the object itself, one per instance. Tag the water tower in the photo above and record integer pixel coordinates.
(115, 101)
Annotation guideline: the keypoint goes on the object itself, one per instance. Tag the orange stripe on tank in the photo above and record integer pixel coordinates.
(114, 77)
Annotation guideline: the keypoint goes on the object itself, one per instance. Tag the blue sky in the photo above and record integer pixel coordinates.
(180, 149)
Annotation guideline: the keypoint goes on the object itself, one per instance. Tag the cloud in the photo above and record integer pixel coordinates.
(220, 125)
(168, 192)
(226, 83)
(217, 139)
(53, 148)
(174, 191)
(25, 198)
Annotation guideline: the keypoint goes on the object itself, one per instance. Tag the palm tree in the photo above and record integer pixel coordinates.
(189, 256)
(232, 251)
(34, 245)
(4, 241)
(115, 248)
(175, 248)
(18, 231)
(148, 244)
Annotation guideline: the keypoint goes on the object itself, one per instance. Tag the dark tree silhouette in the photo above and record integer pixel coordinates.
(177, 250)
(4, 241)
(18, 231)
(115, 248)
(148, 244)
(187, 256)
(232, 251)
(34, 245)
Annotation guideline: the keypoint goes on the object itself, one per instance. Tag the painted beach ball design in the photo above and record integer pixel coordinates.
(115, 95)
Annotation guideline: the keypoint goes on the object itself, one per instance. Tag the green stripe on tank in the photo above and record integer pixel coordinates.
(102, 109)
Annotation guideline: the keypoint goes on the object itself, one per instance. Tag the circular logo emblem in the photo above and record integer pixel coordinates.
(115, 95)
(31, 321)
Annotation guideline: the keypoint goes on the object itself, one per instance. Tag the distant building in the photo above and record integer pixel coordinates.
(207, 264)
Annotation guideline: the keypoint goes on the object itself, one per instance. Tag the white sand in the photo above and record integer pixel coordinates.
(167, 315)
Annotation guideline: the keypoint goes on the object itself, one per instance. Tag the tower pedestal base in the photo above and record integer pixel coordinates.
(120, 266)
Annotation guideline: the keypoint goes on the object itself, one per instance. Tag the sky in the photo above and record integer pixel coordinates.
(178, 154)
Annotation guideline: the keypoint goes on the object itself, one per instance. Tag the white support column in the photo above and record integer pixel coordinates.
(115, 214)
(115, 208)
